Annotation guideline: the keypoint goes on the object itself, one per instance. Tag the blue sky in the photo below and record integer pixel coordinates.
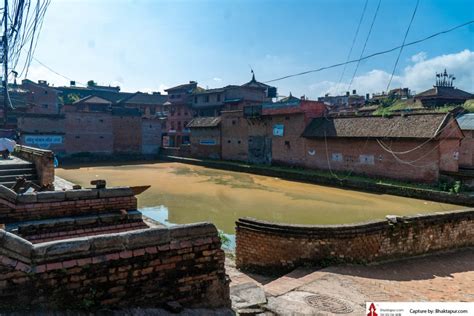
(150, 45)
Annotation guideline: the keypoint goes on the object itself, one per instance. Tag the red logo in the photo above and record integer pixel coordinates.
(372, 310)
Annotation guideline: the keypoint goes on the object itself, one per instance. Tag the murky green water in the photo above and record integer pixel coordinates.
(184, 193)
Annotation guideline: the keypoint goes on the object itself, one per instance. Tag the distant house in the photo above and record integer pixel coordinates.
(205, 137)
(150, 105)
(211, 102)
(347, 102)
(179, 113)
(466, 152)
(269, 132)
(89, 126)
(443, 93)
(417, 147)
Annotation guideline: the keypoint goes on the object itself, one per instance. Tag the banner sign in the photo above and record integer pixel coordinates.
(43, 141)
(278, 129)
(208, 142)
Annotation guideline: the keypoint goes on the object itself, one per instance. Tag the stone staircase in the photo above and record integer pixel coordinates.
(11, 169)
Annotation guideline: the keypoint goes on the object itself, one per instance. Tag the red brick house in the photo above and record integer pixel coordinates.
(179, 113)
(41, 98)
(205, 137)
(466, 152)
(269, 132)
(89, 126)
(149, 105)
(415, 147)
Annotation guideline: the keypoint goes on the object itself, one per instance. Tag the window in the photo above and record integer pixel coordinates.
(101, 120)
(228, 141)
(218, 98)
(336, 157)
(195, 99)
(366, 159)
(238, 142)
(102, 137)
(78, 136)
(287, 118)
(45, 92)
(233, 122)
(179, 125)
(287, 143)
(206, 98)
(45, 106)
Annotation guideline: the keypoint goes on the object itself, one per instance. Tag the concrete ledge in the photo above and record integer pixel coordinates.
(7, 194)
(81, 194)
(51, 196)
(115, 192)
(11, 244)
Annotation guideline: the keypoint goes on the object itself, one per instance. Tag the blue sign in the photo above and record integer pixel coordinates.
(278, 129)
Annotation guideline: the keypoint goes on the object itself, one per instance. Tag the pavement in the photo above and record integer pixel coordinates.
(344, 289)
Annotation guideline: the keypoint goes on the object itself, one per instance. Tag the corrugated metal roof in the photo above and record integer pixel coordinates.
(466, 122)
(202, 122)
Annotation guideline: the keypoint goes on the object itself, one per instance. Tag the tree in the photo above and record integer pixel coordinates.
(91, 83)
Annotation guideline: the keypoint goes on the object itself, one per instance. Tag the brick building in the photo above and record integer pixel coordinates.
(415, 147)
(41, 98)
(45, 131)
(149, 105)
(443, 93)
(466, 152)
(269, 132)
(205, 137)
(179, 113)
(211, 102)
(89, 126)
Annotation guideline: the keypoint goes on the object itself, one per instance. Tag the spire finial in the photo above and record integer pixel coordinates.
(253, 75)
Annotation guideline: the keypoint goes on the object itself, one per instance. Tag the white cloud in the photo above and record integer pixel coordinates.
(421, 56)
(418, 76)
(217, 79)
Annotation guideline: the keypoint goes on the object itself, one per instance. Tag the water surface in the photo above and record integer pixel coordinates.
(182, 193)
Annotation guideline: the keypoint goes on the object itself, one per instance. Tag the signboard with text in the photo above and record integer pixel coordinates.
(43, 141)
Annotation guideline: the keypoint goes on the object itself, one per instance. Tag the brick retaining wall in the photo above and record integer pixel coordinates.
(43, 161)
(34, 206)
(271, 247)
(141, 268)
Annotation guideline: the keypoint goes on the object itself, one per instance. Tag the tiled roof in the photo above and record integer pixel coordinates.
(466, 122)
(445, 92)
(145, 98)
(187, 86)
(255, 84)
(93, 99)
(404, 126)
(120, 111)
(201, 122)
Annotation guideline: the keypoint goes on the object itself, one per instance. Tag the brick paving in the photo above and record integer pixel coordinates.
(438, 277)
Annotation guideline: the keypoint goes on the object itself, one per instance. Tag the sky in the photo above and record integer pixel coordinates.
(145, 45)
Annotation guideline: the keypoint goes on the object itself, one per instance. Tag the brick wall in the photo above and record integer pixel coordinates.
(420, 165)
(77, 226)
(151, 136)
(127, 134)
(288, 149)
(41, 205)
(200, 142)
(235, 134)
(43, 161)
(89, 132)
(466, 151)
(271, 247)
(144, 268)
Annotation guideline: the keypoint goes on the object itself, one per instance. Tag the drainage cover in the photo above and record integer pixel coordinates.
(329, 304)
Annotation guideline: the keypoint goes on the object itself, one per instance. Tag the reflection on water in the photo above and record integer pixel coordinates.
(184, 193)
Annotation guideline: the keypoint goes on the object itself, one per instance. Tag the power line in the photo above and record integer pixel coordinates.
(372, 55)
(403, 44)
(353, 43)
(365, 44)
(57, 73)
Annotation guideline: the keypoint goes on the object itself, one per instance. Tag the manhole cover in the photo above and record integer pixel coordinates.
(328, 304)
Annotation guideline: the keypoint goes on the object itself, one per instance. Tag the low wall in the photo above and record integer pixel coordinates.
(145, 268)
(182, 151)
(43, 161)
(271, 247)
(77, 226)
(49, 204)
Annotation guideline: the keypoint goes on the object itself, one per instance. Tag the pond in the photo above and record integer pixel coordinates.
(183, 193)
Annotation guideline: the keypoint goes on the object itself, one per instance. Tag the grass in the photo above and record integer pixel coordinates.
(407, 105)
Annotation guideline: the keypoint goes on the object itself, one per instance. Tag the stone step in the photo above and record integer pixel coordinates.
(10, 166)
(12, 178)
(7, 172)
(10, 184)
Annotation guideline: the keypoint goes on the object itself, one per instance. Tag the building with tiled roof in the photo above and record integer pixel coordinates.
(443, 93)
(415, 147)
(466, 151)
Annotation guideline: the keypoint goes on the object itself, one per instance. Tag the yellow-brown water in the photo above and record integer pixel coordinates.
(182, 193)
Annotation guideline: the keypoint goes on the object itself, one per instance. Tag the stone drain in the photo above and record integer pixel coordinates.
(328, 304)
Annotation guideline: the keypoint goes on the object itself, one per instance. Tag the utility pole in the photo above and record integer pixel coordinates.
(5, 62)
